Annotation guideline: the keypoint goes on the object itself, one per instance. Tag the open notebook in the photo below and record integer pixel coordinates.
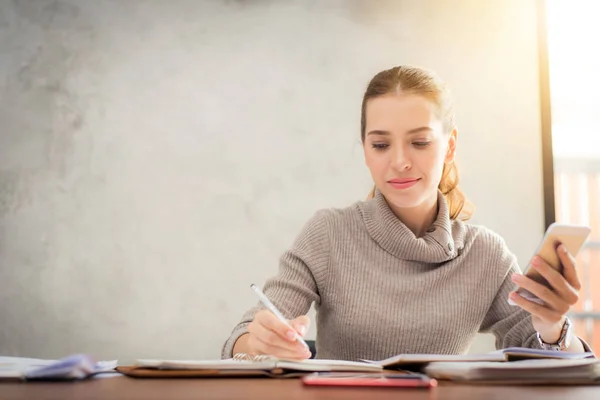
(411, 361)
(246, 365)
(242, 365)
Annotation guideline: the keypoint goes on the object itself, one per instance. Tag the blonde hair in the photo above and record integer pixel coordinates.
(414, 80)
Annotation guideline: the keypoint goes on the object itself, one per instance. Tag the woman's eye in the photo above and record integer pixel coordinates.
(380, 146)
(421, 144)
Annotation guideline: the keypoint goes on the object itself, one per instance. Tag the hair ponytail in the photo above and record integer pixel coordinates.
(458, 205)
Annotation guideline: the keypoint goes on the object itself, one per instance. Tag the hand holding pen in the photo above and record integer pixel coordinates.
(271, 333)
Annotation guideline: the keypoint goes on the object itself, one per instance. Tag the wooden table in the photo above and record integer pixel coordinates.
(271, 389)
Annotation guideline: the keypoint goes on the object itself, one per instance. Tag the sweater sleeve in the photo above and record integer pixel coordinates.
(295, 287)
(511, 325)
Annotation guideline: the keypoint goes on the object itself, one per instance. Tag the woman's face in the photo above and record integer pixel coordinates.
(405, 148)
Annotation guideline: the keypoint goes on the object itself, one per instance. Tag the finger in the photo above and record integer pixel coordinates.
(301, 324)
(556, 280)
(538, 310)
(541, 291)
(270, 321)
(262, 347)
(270, 337)
(569, 267)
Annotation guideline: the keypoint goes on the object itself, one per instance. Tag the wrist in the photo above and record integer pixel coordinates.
(551, 334)
(549, 339)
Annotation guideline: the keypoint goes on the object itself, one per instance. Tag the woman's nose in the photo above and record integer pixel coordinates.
(401, 160)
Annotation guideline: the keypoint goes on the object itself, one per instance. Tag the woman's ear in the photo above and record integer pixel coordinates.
(451, 152)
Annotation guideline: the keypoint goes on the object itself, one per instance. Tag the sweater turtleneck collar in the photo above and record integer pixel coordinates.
(443, 240)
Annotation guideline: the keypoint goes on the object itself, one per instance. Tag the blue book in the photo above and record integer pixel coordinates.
(73, 367)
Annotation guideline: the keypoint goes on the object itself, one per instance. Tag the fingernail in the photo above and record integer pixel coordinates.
(291, 335)
(535, 260)
(303, 345)
(512, 295)
(307, 353)
(563, 248)
(515, 277)
(302, 329)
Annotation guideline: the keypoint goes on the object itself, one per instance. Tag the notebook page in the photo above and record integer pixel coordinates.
(406, 359)
(266, 363)
(318, 365)
(523, 352)
(227, 364)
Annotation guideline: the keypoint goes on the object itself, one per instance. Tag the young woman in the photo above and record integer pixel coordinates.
(402, 272)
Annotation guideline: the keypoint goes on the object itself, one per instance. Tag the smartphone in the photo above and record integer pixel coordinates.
(571, 236)
(371, 379)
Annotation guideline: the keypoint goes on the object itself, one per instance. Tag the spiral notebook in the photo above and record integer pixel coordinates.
(242, 365)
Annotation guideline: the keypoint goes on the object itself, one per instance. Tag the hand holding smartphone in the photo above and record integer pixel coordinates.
(571, 236)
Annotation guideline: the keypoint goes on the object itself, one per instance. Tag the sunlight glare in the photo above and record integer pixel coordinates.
(574, 58)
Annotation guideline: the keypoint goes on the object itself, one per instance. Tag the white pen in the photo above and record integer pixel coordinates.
(265, 300)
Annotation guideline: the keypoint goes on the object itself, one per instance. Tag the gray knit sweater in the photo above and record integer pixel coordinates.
(380, 291)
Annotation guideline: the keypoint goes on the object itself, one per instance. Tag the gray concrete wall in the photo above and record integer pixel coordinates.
(156, 157)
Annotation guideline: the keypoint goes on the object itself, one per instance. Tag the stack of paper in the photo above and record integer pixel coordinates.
(77, 366)
(541, 371)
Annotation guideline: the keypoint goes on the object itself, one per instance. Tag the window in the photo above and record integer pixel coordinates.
(570, 69)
